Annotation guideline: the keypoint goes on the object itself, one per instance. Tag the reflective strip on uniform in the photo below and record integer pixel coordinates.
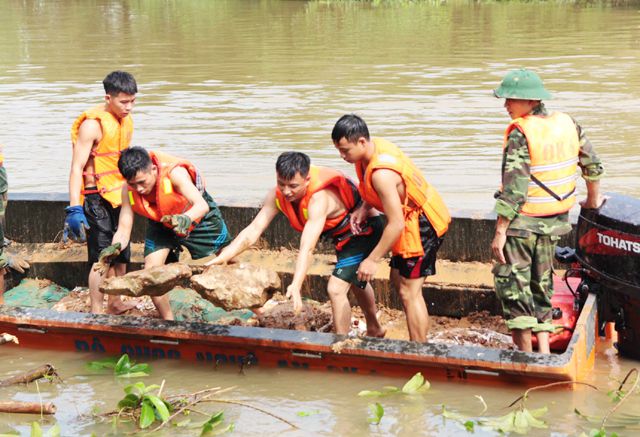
(131, 201)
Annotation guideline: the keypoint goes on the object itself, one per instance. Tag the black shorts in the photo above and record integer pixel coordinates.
(420, 266)
(103, 223)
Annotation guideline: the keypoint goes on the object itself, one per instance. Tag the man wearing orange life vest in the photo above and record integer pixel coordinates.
(417, 218)
(541, 153)
(317, 201)
(98, 136)
(170, 193)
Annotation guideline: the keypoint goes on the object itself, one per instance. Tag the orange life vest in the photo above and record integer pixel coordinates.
(116, 136)
(421, 196)
(167, 201)
(554, 147)
(320, 178)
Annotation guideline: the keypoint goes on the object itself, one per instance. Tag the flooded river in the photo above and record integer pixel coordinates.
(231, 84)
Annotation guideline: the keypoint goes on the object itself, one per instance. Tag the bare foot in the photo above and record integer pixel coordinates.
(118, 306)
(378, 333)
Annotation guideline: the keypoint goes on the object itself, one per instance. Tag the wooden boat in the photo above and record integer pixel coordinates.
(144, 338)
(91, 335)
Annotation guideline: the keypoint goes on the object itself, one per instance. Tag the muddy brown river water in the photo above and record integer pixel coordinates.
(232, 83)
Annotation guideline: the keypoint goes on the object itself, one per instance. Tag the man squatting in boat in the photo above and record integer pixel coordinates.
(98, 136)
(540, 154)
(318, 202)
(417, 218)
(170, 192)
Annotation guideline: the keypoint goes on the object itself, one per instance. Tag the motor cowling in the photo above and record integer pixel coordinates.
(608, 248)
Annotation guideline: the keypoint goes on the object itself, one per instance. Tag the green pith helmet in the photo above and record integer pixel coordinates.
(522, 84)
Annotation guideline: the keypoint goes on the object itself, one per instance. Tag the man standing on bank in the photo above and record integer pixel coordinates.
(417, 218)
(541, 153)
(170, 192)
(98, 136)
(317, 201)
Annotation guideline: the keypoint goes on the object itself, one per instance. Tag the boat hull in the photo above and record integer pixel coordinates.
(245, 347)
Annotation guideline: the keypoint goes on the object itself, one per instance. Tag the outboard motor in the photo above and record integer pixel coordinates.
(608, 249)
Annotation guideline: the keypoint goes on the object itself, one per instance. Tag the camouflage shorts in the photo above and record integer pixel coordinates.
(525, 284)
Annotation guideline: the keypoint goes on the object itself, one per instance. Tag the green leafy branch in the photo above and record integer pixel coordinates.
(144, 406)
(416, 385)
(520, 420)
(122, 367)
(619, 396)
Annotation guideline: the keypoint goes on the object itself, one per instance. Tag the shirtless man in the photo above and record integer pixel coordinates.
(98, 136)
(318, 201)
(417, 218)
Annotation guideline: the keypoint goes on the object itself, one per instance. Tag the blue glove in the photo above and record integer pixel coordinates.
(75, 224)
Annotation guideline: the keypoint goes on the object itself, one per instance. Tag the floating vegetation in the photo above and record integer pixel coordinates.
(378, 411)
(618, 396)
(122, 367)
(36, 430)
(144, 405)
(417, 384)
(307, 413)
(520, 420)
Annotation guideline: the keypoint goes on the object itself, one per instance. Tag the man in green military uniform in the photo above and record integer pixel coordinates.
(6, 260)
(540, 157)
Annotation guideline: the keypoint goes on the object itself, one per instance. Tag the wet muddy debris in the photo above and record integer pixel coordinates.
(313, 316)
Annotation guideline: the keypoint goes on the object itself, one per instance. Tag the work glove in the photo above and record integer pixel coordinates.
(75, 224)
(14, 262)
(107, 255)
(180, 223)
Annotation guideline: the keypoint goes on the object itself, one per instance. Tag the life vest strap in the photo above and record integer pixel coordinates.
(342, 233)
(94, 153)
(550, 191)
(95, 190)
(90, 190)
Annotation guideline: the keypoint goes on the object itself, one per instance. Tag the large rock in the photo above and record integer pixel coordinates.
(155, 281)
(236, 286)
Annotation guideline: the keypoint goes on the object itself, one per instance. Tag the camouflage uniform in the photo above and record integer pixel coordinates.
(4, 188)
(525, 284)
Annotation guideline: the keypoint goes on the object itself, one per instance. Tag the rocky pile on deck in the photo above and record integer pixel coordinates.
(279, 313)
(186, 304)
(154, 281)
(236, 286)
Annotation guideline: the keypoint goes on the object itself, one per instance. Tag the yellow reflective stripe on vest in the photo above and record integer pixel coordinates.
(556, 166)
(131, 201)
(553, 148)
(278, 205)
(557, 182)
(548, 199)
(167, 186)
